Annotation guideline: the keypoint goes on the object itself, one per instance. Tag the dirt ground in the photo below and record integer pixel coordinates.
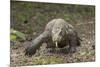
(85, 53)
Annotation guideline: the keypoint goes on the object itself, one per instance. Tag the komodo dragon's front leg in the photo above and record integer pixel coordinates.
(36, 44)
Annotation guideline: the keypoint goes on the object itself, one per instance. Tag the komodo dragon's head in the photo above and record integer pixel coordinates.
(58, 34)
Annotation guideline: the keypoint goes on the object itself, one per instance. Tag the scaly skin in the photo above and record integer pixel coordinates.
(57, 34)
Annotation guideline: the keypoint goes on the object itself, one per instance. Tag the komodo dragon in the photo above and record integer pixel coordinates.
(57, 34)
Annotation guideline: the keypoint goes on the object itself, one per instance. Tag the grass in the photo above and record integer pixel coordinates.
(47, 60)
(38, 15)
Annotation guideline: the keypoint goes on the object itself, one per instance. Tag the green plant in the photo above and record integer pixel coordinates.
(16, 35)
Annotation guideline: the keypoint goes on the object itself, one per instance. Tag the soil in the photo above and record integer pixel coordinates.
(84, 53)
